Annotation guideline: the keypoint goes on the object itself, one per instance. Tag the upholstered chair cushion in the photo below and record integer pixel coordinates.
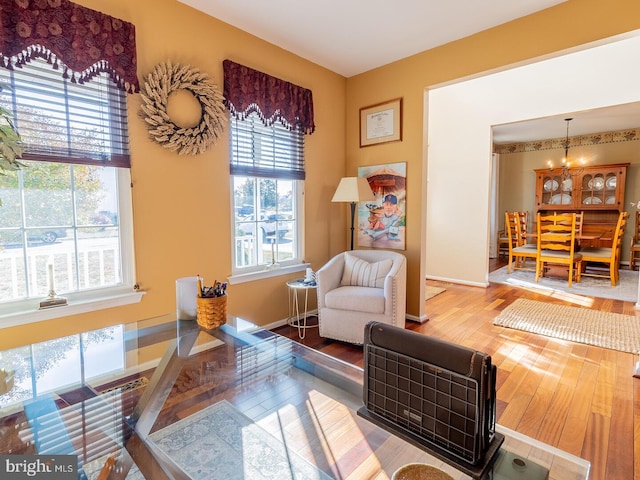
(360, 273)
(552, 253)
(363, 299)
(598, 252)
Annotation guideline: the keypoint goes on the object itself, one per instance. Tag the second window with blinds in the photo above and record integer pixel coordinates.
(267, 172)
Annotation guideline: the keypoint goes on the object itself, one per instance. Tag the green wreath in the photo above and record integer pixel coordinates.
(167, 78)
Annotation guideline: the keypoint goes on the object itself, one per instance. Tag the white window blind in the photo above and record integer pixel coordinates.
(268, 152)
(61, 121)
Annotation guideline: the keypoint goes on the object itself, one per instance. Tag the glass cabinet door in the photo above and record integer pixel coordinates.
(610, 185)
(592, 189)
(556, 191)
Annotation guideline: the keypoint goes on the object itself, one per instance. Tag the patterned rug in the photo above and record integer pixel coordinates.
(593, 327)
(430, 292)
(627, 288)
(92, 470)
(221, 442)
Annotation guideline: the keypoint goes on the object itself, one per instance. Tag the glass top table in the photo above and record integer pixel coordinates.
(165, 399)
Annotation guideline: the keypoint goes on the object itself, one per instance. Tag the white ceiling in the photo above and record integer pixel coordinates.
(353, 36)
(609, 119)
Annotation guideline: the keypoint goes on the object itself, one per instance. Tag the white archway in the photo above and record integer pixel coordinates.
(458, 159)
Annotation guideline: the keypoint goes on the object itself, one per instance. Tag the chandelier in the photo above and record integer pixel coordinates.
(565, 164)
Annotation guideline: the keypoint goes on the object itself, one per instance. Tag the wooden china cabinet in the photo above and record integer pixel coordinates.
(597, 190)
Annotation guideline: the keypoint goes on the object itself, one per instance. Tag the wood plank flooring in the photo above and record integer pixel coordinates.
(579, 398)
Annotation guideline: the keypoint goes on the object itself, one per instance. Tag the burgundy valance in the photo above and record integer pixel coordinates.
(247, 90)
(85, 42)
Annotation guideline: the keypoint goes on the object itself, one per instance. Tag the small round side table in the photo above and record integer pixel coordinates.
(297, 318)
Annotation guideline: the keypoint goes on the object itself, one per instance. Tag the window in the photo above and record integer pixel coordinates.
(70, 206)
(267, 167)
(269, 118)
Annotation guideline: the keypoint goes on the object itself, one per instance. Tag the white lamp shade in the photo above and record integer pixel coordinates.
(353, 189)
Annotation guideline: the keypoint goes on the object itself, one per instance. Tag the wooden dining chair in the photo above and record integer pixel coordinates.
(556, 244)
(634, 251)
(503, 241)
(579, 219)
(503, 235)
(524, 219)
(519, 250)
(607, 255)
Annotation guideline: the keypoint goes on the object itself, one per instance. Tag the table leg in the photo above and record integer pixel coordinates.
(304, 319)
(294, 314)
(297, 316)
(297, 319)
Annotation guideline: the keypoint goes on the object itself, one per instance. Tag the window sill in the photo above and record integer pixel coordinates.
(267, 273)
(28, 312)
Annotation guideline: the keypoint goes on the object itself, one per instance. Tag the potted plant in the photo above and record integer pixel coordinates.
(10, 145)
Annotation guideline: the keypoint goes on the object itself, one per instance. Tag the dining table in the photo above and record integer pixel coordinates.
(586, 237)
(581, 236)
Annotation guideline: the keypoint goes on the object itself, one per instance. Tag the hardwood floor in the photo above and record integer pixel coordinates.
(579, 398)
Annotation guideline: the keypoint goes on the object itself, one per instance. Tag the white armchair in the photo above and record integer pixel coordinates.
(360, 286)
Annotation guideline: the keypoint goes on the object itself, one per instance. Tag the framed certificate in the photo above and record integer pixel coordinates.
(381, 123)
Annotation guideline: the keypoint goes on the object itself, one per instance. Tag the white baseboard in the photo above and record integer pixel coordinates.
(284, 321)
(458, 281)
(420, 319)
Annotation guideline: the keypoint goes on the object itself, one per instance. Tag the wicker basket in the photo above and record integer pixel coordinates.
(420, 471)
(211, 311)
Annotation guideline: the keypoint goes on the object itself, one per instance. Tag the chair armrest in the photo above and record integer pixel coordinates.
(329, 277)
(395, 284)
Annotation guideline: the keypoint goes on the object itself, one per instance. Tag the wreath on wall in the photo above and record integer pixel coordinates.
(168, 78)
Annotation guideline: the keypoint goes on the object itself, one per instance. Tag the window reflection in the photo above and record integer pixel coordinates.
(63, 363)
(56, 364)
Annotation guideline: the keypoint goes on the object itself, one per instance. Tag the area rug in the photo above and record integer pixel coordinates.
(602, 329)
(93, 469)
(627, 288)
(430, 292)
(221, 442)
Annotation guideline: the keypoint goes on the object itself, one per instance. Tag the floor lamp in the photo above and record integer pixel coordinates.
(353, 190)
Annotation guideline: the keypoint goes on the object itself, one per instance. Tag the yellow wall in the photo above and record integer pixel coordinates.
(174, 239)
(521, 40)
(181, 204)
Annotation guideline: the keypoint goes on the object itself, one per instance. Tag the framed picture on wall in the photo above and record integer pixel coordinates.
(381, 123)
(383, 222)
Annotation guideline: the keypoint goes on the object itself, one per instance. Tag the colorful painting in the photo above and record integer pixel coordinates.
(382, 222)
